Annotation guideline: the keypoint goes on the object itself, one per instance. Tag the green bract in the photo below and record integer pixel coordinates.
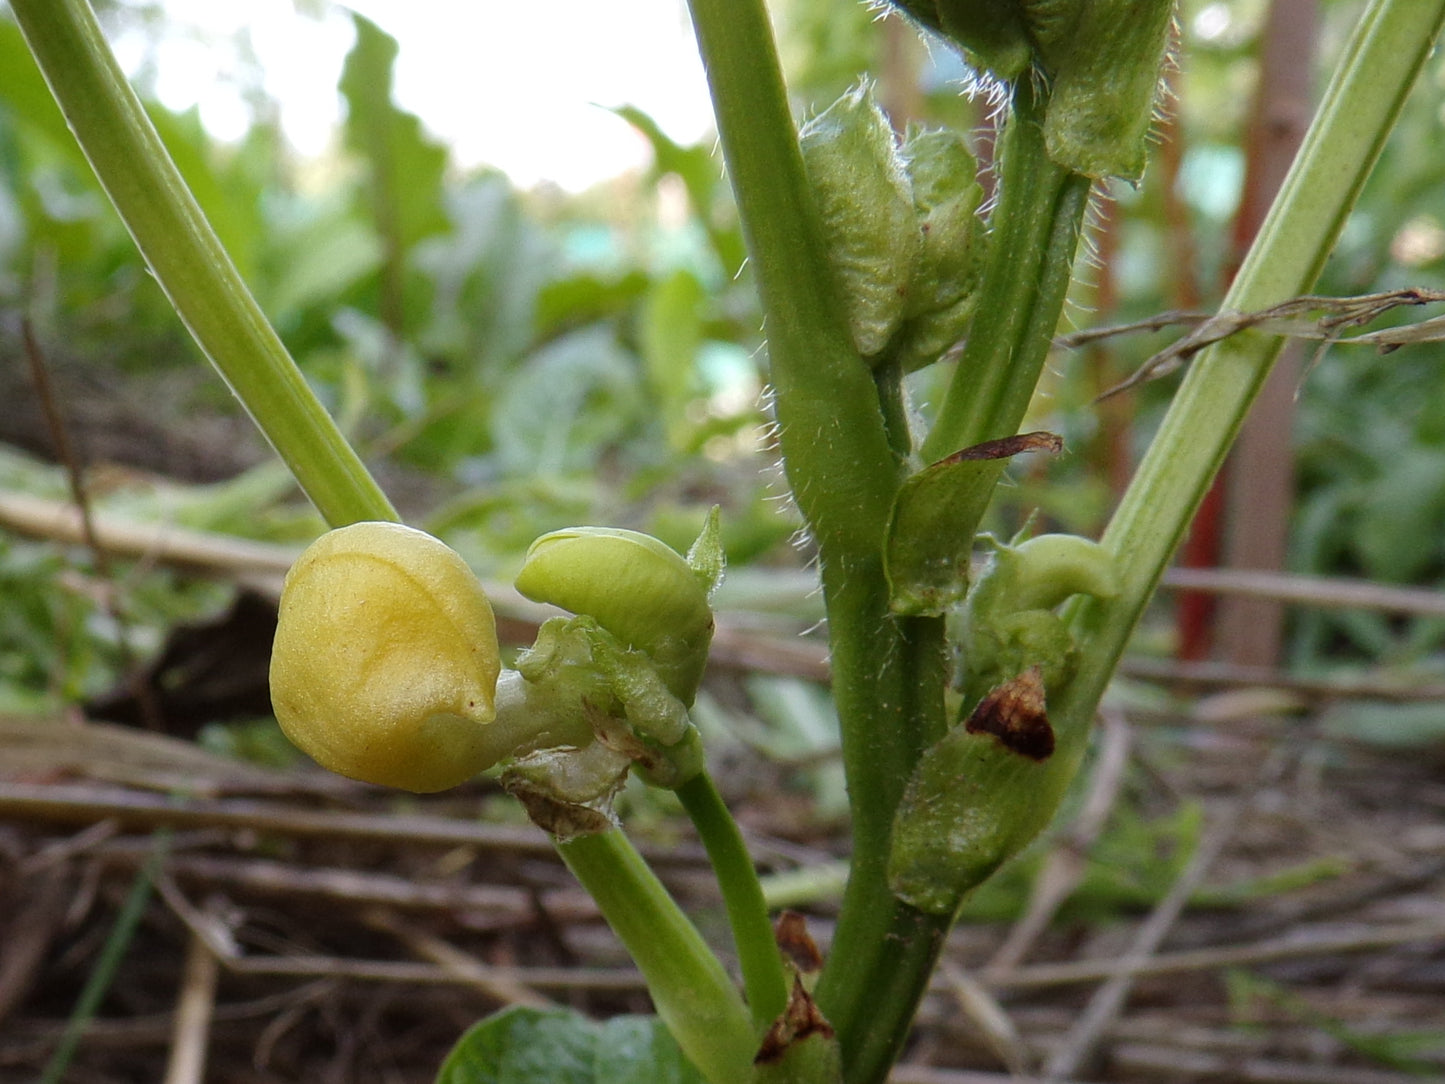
(1101, 59)
(901, 226)
(385, 662)
(1105, 82)
(866, 204)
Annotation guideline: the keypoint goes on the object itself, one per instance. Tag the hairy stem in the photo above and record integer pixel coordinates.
(835, 447)
(889, 674)
(1034, 237)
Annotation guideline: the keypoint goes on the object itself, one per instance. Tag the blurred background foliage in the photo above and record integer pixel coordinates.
(511, 361)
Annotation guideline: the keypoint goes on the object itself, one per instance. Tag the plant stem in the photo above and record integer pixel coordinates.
(692, 993)
(1033, 240)
(764, 979)
(1389, 45)
(192, 268)
(835, 447)
(889, 674)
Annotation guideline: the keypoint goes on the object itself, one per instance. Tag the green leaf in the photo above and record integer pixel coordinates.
(575, 397)
(320, 261)
(524, 1046)
(558, 1046)
(405, 167)
(671, 335)
(697, 168)
(639, 1050)
(485, 275)
(25, 99)
(1397, 535)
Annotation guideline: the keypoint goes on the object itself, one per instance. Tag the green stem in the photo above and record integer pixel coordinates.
(187, 258)
(764, 980)
(692, 993)
(889, 674)
(835, 447)
(1034, 238)
(1389, 45)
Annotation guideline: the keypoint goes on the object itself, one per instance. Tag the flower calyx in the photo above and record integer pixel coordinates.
(900, 223)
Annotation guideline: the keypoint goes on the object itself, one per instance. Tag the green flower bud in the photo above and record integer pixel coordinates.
(946, 199)
(869, 222)
(1048, 568)
(1008, 623)
(385, 662)
(1101, 59)
(641, 591)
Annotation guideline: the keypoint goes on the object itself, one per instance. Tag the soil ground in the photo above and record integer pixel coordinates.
(1238, 897)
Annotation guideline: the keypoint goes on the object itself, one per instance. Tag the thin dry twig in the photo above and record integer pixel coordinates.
(496, 983)
(29, 933)
(988, 1017)
(1317, 592)
(73, 802)
(1227, 675)
(60, 433)
(1309, 317)
(1305, 942)
(194, 1010)
(111, 597)
(926, 1074)
(1164, 1062)
(1108, 1001)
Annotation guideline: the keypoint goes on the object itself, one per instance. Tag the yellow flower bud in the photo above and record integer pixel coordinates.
(385, 662)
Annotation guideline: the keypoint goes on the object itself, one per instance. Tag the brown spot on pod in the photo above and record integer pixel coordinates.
(1016, 715)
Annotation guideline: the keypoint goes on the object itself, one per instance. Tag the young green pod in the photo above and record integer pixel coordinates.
(385, 662)
(640, 590)
(977, 797)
